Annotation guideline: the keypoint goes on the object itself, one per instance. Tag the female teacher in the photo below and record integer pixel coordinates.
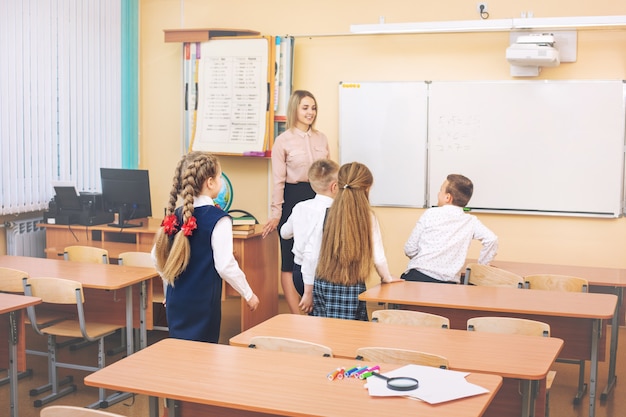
(292, 154)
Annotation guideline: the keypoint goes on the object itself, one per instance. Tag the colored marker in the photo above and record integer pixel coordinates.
(331, 376)
(349, 371)
(355, 373)
(369, 372)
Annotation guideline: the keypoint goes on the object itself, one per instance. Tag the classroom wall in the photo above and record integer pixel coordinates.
(322, 62)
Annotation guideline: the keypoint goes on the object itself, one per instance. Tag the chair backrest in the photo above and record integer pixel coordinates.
(290, 345)
(509, 325)
(55, 290)
(401, 356)
(12, 280)
(551, 282)
(69, 411)
(86, 254)
(410, 318)
(477, 274)
(143, 259)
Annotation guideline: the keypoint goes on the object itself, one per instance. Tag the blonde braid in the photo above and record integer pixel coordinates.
(189, 176)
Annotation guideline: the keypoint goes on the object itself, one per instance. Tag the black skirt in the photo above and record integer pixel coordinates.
(294, 193)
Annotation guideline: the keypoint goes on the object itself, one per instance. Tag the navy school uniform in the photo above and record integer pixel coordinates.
(194, 305)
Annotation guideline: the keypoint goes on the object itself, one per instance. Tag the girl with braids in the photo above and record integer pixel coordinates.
(194, 252)
(348, 246)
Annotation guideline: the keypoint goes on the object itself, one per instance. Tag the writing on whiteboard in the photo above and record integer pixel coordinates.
(454, 133)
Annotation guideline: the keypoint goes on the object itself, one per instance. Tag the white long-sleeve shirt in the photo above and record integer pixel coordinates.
(222, 245)
(440, 240)
(305, 216)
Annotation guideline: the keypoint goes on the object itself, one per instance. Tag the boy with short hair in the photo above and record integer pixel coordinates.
(305, 218)
(439, 242)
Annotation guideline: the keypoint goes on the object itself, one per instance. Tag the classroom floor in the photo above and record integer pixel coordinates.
(560, 397)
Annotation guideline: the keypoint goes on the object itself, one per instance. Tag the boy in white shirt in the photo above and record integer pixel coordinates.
(305, 218)
(438, 244)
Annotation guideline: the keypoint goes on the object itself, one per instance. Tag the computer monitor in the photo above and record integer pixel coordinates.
(127, 193)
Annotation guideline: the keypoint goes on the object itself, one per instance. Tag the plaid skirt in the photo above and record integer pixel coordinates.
(338, 301)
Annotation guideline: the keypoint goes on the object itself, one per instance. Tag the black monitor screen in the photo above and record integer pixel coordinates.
(126, 192)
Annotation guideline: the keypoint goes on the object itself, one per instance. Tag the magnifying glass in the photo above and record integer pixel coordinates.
(399, 383)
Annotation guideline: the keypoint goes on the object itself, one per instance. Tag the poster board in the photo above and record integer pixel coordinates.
(235, 106)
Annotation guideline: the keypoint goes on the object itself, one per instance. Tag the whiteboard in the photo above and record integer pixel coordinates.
(232, 114)
(383, 125)
(547, 146)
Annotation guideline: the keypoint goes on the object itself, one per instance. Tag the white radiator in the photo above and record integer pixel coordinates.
(24, 238)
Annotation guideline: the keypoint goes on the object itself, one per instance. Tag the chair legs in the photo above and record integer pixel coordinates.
(53, 382)
(20, 375)
(582, 385)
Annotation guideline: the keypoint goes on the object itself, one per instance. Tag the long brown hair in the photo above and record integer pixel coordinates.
(346, 255)
(191, 172)
(292, 107)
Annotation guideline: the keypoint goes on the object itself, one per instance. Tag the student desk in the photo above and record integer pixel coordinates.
(513, 357)
(106, 286)
(12, 326)
(221, 380)
(574, 317)
(257, 257)
(600, 280)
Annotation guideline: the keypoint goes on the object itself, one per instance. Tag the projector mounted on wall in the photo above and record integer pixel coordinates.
(531, 52)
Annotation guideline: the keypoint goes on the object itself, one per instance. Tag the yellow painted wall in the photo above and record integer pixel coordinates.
(322, 62)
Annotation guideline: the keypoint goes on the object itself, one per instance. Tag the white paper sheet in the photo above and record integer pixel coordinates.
(435, 385)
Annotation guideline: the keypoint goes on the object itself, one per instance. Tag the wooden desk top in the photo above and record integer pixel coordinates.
(12, 302)
(512, 356)
(252, 380)
(498, 299)
(595, 275)
(149, 227)
(99, 276)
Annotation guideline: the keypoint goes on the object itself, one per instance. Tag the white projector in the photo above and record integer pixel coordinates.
(533, 50)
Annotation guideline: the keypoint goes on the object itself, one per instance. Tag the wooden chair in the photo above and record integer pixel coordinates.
(401, 357)
(65, 292)
(551, 282)
(13, 281)
(144, 259)
(410, 318)
(69, 411)
(478, 274)
(511, 325)
(86, 254)
(284, 344)
(567, 283)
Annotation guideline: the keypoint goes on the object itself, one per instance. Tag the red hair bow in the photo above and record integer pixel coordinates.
(170, 224)
(189, 226)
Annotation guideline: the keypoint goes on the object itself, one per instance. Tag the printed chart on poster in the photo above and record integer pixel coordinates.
(233, 115)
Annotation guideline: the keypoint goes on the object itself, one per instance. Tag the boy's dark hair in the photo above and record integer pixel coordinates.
(461, 189)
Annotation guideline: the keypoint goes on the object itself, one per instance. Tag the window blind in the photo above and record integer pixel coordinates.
(60, 97)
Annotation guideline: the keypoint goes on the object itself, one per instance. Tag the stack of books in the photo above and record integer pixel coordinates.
(243, 229)
(243, 225)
